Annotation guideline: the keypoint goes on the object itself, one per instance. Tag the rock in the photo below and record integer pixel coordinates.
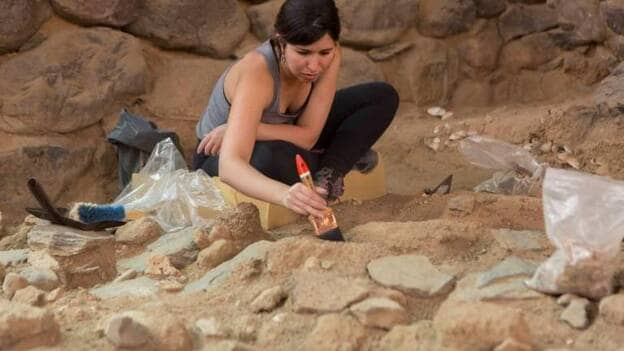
(54, 295)
(269, 299)
(169, 285)
(217, 253)
(159, 266)
(510, 267)
(2, 272)
(357, 68)
(368, 24)
(529, 52)
(177, 246)
(420, 336)
(428, 71)
(508, 288)
(13, 257)
(489, 8)
(165, 332)
(614, 13)
(82, 258)
(461, 204)
(565, 299)
(580, 21)
(385, 52)
(412, 274)
(479, 325)
(44, 279)
(139, 231)
(379, 312)
(12, 283)
(20, 20)
(209, 327)
(510, 344)
(214, 277)
(576, 313)
(611, 309)
(26, 327)
(518, 20)
(262, 17)
(114, 13)
(442, 18)
(335, 332)
(481, 49)
(64, 89)
(30, 296)
(317, 292)
(201, 237)
(140, 287)
(240, 225)
(519, 240)
(212, 27)
(123, 331)
(127, 275)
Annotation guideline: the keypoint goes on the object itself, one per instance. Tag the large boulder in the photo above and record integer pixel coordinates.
(490, 8)
(426, 73)
(70, 81)
(70, 166)
(212, 27)
(19, 20)
(520, 20)
(357, 68)
(481, 49)
(375, 23)
(614, 12)
(529, 52)
(262, 18)
(580, 21)
(115, 13)
(442, 18)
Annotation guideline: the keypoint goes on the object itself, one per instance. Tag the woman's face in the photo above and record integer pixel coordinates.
(308, 62)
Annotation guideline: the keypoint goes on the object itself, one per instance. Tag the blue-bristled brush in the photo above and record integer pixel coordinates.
(86, 212)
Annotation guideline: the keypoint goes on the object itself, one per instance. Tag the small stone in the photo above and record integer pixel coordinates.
(312, 264)
(379, 312)
(54, 295)
(511, 344)
(546, 147)
(446, 116)
(44, 279)
(201, 237)
(436, 111)
(576, 313)
(565, 299)
(127, 275)
(209, 327)
(139, 231)
(463, 204)
(170, 285)
(218, 252)
(30, 296)
(159, 266)
(433, 144)
(12, 283)
(510, 267)
(123, 331)
(612, 309)
(460, 134)
(326, 264)
(269, 299)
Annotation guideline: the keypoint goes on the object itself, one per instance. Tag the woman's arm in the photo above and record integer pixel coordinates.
(310, 124)
(252, 92)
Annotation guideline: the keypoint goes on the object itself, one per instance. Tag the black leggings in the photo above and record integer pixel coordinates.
(359, 115)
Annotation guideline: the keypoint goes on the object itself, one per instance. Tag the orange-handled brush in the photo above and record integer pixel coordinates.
(326, 227)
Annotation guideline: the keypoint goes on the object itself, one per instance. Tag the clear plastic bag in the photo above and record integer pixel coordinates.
(176, 197)
(518, 173)
(584, 218)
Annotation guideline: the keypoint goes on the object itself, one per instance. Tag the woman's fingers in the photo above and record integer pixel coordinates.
(305, 201)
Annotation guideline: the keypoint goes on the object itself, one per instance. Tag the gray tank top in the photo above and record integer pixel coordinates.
(218, 108)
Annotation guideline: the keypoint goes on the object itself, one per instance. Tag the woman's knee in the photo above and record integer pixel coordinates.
(387, 95)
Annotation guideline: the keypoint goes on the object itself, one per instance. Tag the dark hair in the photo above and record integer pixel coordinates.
(302, 22)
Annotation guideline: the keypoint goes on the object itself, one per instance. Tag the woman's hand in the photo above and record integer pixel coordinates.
(210, 145)
(305, 201)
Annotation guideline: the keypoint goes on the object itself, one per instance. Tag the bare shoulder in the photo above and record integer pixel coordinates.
(250, 71)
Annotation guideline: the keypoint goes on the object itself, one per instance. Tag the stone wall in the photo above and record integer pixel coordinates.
(68, 66)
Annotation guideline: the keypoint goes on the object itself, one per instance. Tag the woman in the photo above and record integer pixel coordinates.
(280, 100)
